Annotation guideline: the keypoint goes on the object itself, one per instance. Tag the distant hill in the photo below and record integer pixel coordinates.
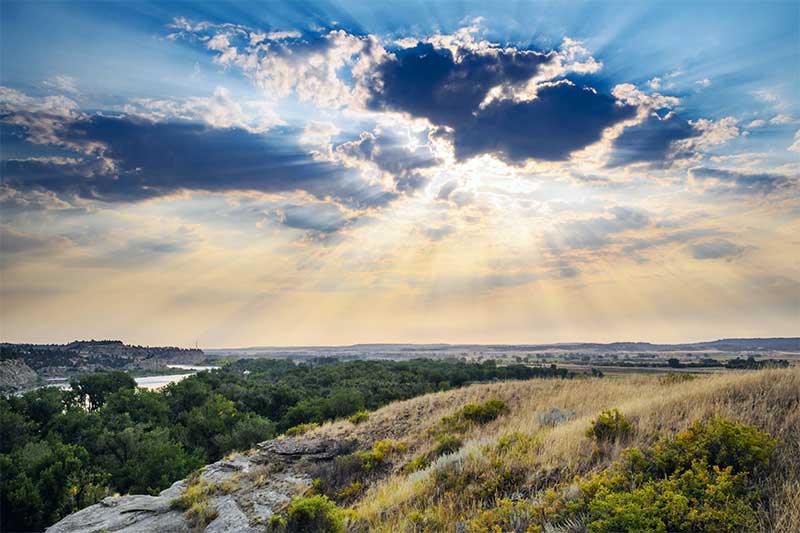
(773, 344)
(61, 359)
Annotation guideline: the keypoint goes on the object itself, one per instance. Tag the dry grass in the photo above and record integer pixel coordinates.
(769, 399)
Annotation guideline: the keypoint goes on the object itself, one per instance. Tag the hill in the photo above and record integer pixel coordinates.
(504, 455)
(771, 344)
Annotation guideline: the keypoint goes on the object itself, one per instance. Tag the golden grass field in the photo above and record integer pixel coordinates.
(768, 399)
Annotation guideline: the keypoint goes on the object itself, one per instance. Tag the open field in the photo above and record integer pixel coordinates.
(768, 399)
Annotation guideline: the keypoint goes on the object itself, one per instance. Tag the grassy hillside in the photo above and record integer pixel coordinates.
(537, 450)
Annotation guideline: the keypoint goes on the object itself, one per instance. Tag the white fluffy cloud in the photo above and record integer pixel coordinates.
(61, 83)
(795, 146)
(219, 111)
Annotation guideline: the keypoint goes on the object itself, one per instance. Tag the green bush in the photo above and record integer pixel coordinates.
(610, 426)
(515, 445)
(701, 480)
(446, 444)
(376, 457)
(485, 412)
(300, 429)
(314, 513)
(195, 501)
(345, 476)
(718, 442)
(418, 463)
(480, 483)
(673, 378)
(359, 417)
(470, 414)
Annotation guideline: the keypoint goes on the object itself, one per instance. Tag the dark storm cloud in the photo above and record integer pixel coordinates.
(649, 142)
(154, 159)
(428, 82)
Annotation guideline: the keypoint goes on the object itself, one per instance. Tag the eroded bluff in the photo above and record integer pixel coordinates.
(243, 492)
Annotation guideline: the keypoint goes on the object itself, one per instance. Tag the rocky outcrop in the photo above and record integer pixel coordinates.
(246, 491)
(16, 375)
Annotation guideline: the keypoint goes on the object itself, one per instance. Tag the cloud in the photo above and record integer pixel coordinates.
(219, 111)
(61, 83)
(795, 146)
(42, 119)
(710, 133)
(282, 63)
(716, 249)
(631, 95)
(781, 119)
(13, 201)
(446, 190)
(140, 159)
(705, 82)
(139, 252)
(317, 217)
(13, 241)
(651, 141)
(596, 232)
(450, 90)
(17, 246)
(635, 246)
(722, 181)
(391, 153)
(439, 233)
(757, 123)
(766, 95)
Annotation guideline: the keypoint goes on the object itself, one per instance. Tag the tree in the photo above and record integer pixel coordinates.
(208, 426)
(343, 402)
(43, 481)
(95, 388)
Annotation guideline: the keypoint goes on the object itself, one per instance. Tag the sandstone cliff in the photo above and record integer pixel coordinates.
(16, 375)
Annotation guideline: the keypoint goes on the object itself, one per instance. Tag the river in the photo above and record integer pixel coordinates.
(147, 382)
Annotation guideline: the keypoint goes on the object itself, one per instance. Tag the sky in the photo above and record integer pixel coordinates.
(322, 173)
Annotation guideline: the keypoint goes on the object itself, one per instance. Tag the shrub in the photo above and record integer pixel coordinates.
(351, 491)
(701, 480)
(485, 412)
(673, 378)
(376, 457)
(195, 502)
(718, 442)
(344, 477)
(418, 463)
(479, 482)
(299, 429)
(314, 513)
(472, 413)
(555, 416)
(610, 426)
(446, 444)
(702, 498)
(200, 514)
(515, 445)
(359, 417)
(508, 515)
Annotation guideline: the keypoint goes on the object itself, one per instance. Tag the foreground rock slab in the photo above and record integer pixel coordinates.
(250, 489)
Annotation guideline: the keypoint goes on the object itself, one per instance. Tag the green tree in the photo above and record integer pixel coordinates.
(209, 426)
(96, 387)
